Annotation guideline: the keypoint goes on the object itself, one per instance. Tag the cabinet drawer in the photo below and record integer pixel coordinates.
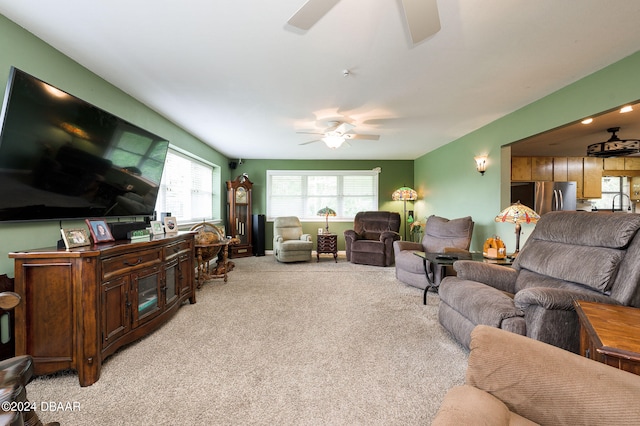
(128, 262)
(173, 250)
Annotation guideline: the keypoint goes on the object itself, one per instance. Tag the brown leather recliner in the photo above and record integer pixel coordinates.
(370, 242)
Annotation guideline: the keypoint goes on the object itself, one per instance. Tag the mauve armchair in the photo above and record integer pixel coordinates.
(370, 242)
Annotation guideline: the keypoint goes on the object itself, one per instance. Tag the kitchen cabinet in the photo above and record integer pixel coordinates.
(574, 173)
(631, 163)
(541, 168)
(592, 174)
(614, 163)
(635, 188)
(521, 169)
(560, 170)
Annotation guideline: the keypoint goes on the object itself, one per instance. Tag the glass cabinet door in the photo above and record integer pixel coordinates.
(171, 288)
(147, 289)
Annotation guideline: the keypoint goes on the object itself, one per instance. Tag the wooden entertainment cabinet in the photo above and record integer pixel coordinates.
(80, 305)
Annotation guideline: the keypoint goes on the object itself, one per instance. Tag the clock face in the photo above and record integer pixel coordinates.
(241, 195)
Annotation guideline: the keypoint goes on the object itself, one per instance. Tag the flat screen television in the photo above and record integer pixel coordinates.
(63, 158)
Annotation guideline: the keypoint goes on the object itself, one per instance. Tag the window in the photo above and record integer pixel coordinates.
(303, 193)
(186, 189)
(615, 194)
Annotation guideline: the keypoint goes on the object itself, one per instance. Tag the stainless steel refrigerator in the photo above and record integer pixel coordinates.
(544, 197)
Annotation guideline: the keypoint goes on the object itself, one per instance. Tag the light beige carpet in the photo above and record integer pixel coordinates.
(290, 344)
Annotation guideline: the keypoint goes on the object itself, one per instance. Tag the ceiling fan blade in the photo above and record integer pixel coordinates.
(422, 18)
(352, 136)
(310, 13)
(307, 143)
(310, 133)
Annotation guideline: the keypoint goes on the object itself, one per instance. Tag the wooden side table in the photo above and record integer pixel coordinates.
(328, 243)
(610, 334)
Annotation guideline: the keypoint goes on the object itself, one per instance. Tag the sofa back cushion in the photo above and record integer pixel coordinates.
(441, 233)
(369, 225)
(287, 227)
(579, 247)
(595, 267)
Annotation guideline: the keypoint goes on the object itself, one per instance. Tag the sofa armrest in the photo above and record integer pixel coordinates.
(497, 276)
(350, 234)
(389, 236)
(400, 245)
(305, 237)
(407, 245)
(549, 385)
(555, 298)
(278, 238)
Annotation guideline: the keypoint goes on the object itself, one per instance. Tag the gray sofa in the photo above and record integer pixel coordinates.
(569, 256)
(513, 380)
(440, 235)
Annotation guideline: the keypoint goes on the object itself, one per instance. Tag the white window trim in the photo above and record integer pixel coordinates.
(374, 173)
(216, 189)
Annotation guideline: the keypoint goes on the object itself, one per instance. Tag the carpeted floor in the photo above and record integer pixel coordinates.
(290, 344)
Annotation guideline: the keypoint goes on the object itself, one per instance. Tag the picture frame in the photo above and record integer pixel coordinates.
(170, 225)
(156, 227)
(76, 237)
(100, 232)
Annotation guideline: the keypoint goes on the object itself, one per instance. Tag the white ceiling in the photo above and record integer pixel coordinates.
(235, 75)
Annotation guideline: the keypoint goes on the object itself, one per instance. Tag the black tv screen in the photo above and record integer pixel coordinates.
(63, 158)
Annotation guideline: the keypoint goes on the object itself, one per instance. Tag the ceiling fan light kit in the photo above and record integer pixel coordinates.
(337, 133)
(615, 146)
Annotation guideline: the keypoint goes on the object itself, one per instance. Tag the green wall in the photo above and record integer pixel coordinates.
(23, 50)
(450, 186)
(446, 179)
(394, 174)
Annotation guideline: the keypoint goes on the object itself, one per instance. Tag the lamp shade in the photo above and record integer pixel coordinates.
(518, 213)
(404, 194)
(326, 212)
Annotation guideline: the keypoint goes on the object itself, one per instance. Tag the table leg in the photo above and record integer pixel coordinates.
(225, 255)
(432, 283)
(200, 268)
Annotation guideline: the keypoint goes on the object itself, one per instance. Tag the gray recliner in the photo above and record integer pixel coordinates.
(290, 244)
(440, 235)
(569, 256)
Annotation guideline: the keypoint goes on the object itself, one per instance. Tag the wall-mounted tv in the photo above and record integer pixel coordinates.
(63, 158)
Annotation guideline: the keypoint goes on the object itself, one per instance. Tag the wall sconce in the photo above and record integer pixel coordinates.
(481, 163)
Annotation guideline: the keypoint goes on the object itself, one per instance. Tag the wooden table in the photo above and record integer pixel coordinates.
(204, 272)
(610, 334)
(327, 243)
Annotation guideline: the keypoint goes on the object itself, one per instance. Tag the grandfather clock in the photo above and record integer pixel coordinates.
(239, 215)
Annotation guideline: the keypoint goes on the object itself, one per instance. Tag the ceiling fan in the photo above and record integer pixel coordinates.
(421, 16)
(614, 146)
(338, 133)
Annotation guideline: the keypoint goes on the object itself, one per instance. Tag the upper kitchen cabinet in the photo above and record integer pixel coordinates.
(541, 168)
(521, 169)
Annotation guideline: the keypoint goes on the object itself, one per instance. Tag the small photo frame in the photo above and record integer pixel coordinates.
(170, 225)
(75, 238)
(156, 227)
(100, 231)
